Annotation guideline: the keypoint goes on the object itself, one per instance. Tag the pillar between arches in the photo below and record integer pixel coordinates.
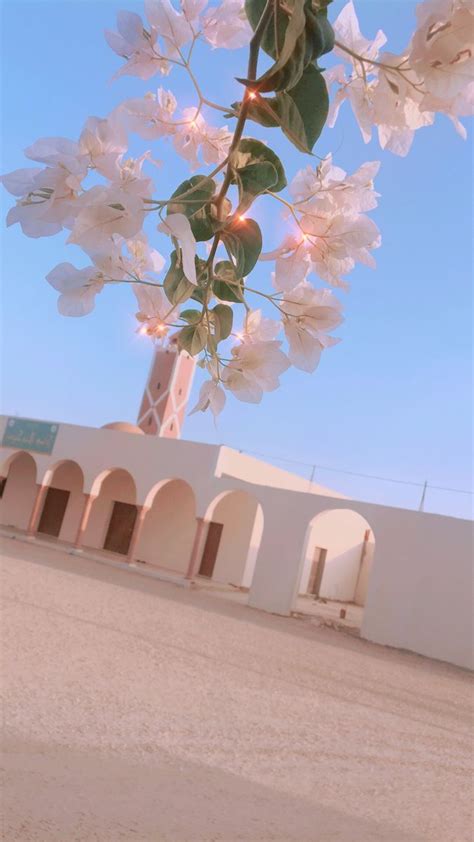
(196, 551)
(142, 512)
(88, 501)
(36, 510)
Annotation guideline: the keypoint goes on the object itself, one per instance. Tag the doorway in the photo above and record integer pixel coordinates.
(53, 512)
(211, 548)
(317, 570)
(120, 530)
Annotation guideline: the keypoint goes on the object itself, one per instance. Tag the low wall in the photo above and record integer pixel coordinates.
(421, 587)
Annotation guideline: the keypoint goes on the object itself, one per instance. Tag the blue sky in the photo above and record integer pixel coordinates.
(392, 399)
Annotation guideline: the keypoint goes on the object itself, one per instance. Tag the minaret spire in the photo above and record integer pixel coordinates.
(167, 391)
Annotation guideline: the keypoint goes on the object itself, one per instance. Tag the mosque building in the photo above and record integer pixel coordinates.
(186, 511)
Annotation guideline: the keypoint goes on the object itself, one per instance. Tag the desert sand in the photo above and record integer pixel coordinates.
(137, 710)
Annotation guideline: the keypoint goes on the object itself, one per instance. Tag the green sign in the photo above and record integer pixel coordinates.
(30, 435)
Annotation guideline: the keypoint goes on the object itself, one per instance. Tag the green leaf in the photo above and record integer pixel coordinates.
(191, 316)
(293, 57)
(199, 294)
(252, 181)
(203, 225)
(301, 113)
(243, 239)
(251, 151)
(254, 10)
(223, 319)
(226, 285)
(197, 199)
(176, 286)
(196, 206)
(192, 339)
(303, 34)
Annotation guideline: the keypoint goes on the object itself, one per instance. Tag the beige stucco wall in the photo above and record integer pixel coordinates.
(237, 513)
(341, 532)
(117, 487)
(20, 492)
(68, 476)
(169, 527)
(364, 573)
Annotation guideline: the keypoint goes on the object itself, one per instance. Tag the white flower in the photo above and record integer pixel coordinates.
(347, 31)
(151, 116)
(336, 243)
(103, 141)
(137, 45)
(154, 310)
(48, 199)
(137, 261)
(358, 91)
(328, 188)
(172, 26)
(461, 106)
(396, 103)
(211, 396)
(60, 152)
(226, 25)
(442, 47)
(257, 328)
(310, 314)
(177, 225)
(143, 258)
(194, 136)
(255, 368)
(433, 74)
(106, 211)
(292, 262)
(130, 179)
(192, 9)
(387, 99)
(78, 288)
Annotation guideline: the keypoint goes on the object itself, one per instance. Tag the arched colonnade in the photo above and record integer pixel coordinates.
(165, 529)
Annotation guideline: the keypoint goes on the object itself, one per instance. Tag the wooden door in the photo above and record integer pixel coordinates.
(53, 512)
(121, 524)
(211, 548)
(317, 570)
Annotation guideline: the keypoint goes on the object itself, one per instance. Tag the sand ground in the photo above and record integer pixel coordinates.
(137, 710)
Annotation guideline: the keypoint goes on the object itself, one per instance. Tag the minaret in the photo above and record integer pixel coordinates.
(167, 392)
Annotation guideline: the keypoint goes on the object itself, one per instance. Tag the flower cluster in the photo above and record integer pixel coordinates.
(93, 189)
(402, 93)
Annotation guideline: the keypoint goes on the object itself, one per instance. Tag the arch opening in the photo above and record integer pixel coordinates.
(19, 491)
(113, 512)
(338, 558)
(234, 533)
(64, 501)
(169, 527)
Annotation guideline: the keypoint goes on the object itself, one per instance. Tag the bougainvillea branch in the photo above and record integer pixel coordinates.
(90, 188)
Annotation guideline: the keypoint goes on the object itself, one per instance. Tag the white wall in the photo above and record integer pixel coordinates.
(20, 492)
(420, 588)
(420, 593)
(117, 487)
(169, 528)
(365, 570)
(242, 466)
(255, 540)
(341, 533)
(237, 512)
